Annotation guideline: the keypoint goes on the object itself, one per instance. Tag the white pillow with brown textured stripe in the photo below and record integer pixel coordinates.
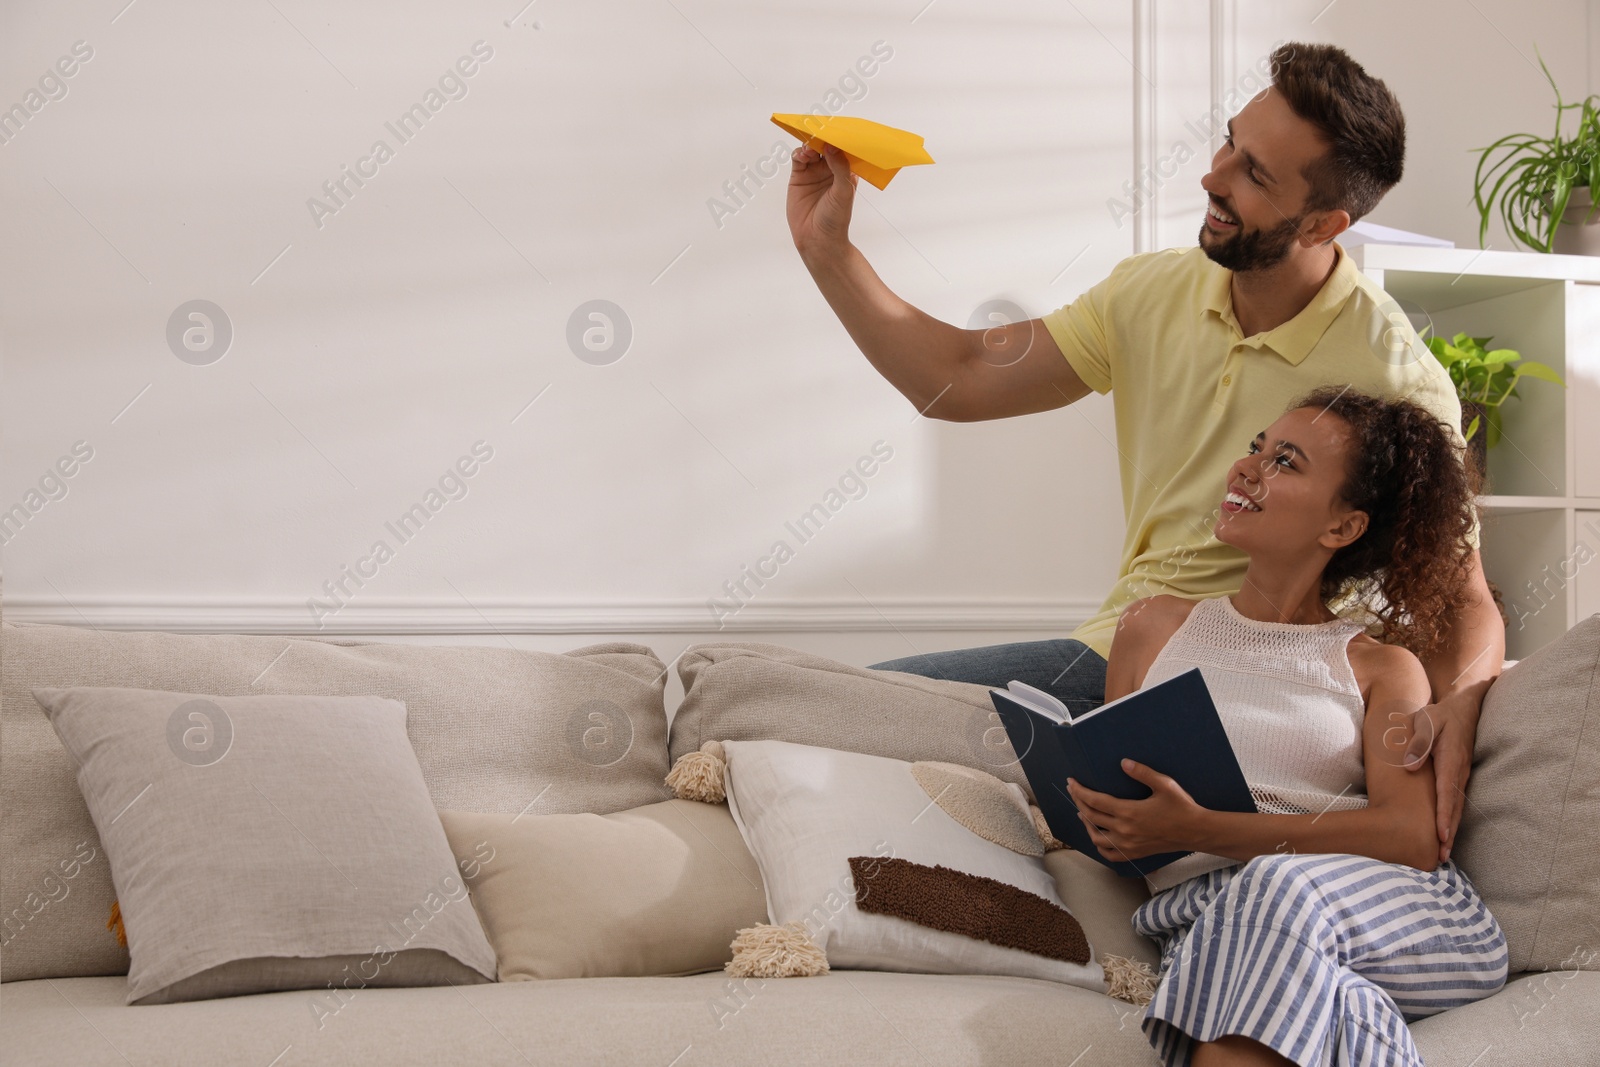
(859, 850)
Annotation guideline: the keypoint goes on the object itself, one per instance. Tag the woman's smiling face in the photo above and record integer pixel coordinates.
(1284, 496)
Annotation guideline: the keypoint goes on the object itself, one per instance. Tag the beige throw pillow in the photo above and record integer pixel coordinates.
(267, 843)
(1104, 902)
(1530, 828)
(659, 890)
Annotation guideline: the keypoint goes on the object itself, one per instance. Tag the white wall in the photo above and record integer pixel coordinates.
(372, 351)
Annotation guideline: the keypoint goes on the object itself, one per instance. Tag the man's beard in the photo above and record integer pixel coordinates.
(1256, 250)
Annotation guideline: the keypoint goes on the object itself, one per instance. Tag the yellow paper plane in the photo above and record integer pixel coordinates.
(875, 151)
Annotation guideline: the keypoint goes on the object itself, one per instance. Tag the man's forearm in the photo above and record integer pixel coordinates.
(918, 354)
(1474, 649)
(1459, 674)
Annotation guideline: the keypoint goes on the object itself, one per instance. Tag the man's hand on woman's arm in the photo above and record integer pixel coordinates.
(945, 371)
(1460, 674)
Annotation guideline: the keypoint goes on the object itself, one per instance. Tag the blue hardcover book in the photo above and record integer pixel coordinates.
(1171, 727)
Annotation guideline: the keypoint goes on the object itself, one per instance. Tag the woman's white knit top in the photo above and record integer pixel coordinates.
(1290, 703)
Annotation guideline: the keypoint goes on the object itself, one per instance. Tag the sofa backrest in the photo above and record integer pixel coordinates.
(495, 730)
(752, 691)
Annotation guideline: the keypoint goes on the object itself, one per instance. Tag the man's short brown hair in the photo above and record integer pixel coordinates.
(1357, 115)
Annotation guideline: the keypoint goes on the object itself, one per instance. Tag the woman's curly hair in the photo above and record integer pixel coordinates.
(1405, 471)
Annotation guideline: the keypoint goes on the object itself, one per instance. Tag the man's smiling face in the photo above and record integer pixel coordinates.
(1257, 184)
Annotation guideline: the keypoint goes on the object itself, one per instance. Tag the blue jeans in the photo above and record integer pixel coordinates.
(1069, 670)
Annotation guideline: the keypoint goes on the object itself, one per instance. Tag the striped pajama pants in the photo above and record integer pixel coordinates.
(1322, 958)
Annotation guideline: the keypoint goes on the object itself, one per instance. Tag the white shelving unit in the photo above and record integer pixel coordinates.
(1541, 524)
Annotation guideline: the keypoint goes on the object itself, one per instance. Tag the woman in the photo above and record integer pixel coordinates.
(1310, 931)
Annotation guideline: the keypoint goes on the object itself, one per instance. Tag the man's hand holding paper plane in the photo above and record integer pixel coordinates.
(874, 151)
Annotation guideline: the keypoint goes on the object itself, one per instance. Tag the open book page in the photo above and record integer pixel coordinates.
(1106, 705)
(1038, 700)
(1052, 708)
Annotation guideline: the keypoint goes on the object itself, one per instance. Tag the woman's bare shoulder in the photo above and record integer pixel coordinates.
(1154, 617)
(1143, 628)
(1372, 660)
(1148, 624)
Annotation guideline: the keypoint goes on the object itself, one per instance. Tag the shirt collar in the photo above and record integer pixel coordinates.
(1292, 340)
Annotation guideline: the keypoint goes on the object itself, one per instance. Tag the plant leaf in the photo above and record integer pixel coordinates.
(1534, 369)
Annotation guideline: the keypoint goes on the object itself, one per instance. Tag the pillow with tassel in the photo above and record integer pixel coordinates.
(881, 864)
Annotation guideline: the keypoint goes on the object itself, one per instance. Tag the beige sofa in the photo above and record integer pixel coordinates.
(492, 727)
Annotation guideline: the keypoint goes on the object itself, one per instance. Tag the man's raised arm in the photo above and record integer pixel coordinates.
(947, 372)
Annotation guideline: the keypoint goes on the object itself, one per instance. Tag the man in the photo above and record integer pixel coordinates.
(1201, 349)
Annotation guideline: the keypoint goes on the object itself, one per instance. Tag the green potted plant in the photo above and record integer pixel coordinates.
(1543, 186)
(1484, 379)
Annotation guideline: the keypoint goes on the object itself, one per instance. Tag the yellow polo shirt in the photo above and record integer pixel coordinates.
(1190, 393)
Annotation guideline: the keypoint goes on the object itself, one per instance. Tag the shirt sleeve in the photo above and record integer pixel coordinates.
(1080, 330)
